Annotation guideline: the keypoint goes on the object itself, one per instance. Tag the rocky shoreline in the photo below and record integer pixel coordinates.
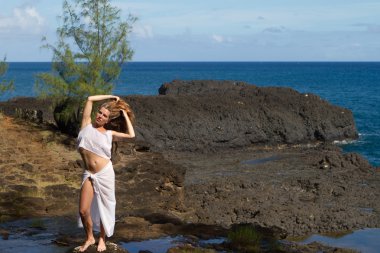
(215, 153)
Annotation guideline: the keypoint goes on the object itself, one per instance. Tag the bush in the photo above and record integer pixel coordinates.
(245, 238)
(67, 116)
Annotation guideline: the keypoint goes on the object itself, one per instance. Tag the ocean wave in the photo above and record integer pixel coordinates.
(345, 142)
(366, 135)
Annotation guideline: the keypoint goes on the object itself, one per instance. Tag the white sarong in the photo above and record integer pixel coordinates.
(104, 202)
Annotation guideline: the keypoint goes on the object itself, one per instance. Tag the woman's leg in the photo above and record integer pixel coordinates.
(102, 239)
(86, 196)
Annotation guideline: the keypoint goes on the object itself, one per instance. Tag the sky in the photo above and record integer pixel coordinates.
(213, 30)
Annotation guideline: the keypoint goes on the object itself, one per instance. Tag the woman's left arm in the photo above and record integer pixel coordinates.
(131, 131)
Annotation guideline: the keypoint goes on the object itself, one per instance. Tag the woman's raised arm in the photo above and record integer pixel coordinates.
(86, 118)
(131, 131)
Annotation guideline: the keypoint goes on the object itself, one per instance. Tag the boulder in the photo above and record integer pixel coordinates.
(209, 115)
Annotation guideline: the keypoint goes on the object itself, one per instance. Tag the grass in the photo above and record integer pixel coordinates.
(190, 250)
(38, 224)
(245, 238)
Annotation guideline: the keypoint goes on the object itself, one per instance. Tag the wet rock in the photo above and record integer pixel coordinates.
(313, 247)
(189, 249)
(111, 248)
(4, 234)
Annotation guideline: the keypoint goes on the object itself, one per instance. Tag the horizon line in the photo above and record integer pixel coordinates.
(199, 61)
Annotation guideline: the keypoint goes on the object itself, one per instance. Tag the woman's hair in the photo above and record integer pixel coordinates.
(116, 119)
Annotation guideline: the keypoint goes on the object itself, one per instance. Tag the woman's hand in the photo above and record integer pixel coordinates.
(123, 113)
(130, 131)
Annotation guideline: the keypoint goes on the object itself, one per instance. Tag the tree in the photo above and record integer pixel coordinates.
(92, 46)
(5, 85)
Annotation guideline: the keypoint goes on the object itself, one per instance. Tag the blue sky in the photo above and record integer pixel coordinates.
(211, 30)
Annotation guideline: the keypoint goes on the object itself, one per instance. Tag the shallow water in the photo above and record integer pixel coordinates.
(364, 240)
(34, 235)
(37, 235)
(161, 245)
(261, 161)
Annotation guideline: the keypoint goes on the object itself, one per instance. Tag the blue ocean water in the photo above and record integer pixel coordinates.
(354, 85)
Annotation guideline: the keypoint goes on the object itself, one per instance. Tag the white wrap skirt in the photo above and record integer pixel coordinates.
(104, 202)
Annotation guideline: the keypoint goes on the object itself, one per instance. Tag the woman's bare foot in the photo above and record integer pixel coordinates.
(101, 245)
(86, 244)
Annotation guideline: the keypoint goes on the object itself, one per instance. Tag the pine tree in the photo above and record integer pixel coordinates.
(87, 59)
(5, 85)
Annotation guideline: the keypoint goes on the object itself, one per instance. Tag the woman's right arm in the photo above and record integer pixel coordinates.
(86, 118)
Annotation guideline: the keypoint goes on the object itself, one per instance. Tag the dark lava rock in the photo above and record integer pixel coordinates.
(111, 248)
(292, 193)
(29, 108)
(4, 234)
(207, 115)
(149, 184)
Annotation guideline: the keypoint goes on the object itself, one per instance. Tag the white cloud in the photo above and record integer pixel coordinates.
(24, 18)
(143, 31)
(289, 45)
(374, 28)
(218, 38)
(274, 29)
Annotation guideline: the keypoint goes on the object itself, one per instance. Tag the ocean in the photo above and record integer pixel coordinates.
(353, 85)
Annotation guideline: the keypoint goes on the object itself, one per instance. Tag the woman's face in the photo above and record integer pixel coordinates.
(102, 116)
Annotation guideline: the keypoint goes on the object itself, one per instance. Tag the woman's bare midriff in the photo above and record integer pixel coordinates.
(93, 162)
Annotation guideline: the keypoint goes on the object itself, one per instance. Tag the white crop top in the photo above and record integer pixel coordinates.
(94, 141)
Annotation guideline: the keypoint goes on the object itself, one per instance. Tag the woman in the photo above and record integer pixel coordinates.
(97, 197)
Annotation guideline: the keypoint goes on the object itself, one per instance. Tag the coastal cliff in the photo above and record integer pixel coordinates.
(211, 115)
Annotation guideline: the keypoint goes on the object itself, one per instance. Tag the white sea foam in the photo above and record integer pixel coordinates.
(344, 142)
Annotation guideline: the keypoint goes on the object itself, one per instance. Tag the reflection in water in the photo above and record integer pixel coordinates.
(365, 240)
(260, 161)
(160, 245)
(37, 235)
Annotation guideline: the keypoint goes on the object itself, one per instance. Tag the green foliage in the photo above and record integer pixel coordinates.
(37, 223)
(67, 115)
(197, 250)
(189, 249)
(5, 85)
(245, 238)
(92, 46)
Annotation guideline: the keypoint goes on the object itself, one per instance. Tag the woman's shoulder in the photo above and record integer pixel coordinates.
(110, 132)
(83, 128)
